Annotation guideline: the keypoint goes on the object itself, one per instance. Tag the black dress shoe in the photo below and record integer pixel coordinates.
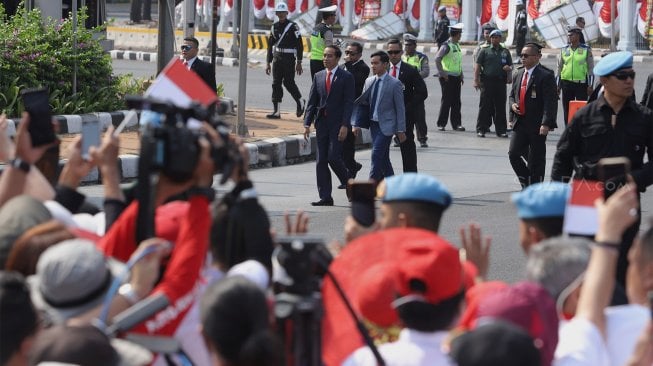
(503, 135)
(459, 128)
(423, 144)
(323, 203)
(480, 134)
(358, 167)
(301, 106)
(276, 115)
(342, 186)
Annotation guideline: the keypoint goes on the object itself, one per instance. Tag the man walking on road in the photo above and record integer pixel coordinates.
(414, 94)
(449, 62)
(330, 104)
(285, 51)
(441, 29)
(421, 62)
(491, 73)
(205, 70)
(533, 112)
(575, 75)
(321, 37)
(359, 69)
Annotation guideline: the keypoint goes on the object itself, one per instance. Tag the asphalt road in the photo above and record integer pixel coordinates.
(476, 171)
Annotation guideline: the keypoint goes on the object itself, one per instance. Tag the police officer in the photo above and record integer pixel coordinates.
(492, 71)
(575, 64)
(321, 37)
(421, 62)
(520, 28)
(449, 62)
(612, 125)
(441, 30)
(285, 51)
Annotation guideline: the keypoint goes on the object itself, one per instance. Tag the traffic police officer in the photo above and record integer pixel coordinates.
(441, 30)
(575, 64)
(285, 51)
(612, 125)
(492, 72)
(449, 62)
(321, 37)
(421, 62)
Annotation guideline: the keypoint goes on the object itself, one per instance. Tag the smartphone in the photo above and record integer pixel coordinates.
(37, 104)
(612, 172)
(90, 137)
(363, 196)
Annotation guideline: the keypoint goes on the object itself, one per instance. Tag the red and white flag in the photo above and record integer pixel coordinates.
(180, 86)
(581, 217)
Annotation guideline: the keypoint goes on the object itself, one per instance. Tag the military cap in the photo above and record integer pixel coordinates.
(414, 187)
(442, 8)
(519, 2)
(496, 33)
(281, 7)
(613, 62)
(329, 9)
(409, 38)
(542, 200)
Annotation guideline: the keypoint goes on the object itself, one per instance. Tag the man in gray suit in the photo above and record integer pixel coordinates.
(383, 100)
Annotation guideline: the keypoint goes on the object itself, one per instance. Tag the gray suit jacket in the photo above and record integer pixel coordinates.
(391, 109)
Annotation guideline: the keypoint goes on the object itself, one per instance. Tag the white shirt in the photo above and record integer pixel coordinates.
(333, 72)
(581, 343)
(413, 348)
(189, 63)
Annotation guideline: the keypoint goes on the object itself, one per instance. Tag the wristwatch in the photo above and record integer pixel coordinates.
(127, 291)
(21, 164)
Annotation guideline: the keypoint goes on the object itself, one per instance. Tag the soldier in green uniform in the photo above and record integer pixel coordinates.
(421, 62)
(449, 62)
(575, 75)
(321, 37)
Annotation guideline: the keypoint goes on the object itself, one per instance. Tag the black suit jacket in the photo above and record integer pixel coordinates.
(414, 86)
(206, 72)
(541, 100)
(360, 71)
(647, 98)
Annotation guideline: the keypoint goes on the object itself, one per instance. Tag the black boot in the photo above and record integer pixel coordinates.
(276, 114)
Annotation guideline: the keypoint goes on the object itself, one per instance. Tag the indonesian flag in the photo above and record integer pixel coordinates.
(408, 9)
(581, 217)
(604, 16)
(180, 86)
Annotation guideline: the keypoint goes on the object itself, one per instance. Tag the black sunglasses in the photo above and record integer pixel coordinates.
(351, 53)
(186, 47)
(394, 52)
(526, 55)
(624, 75)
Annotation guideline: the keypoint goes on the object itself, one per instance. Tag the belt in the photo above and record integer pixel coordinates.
(285, 50)
(576, 81)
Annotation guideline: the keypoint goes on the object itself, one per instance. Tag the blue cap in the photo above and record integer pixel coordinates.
(542, 200)
(613, 62)
(415, 187)
(496, 32)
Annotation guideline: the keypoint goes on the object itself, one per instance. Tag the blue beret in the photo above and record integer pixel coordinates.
(496, 32)
(416, 187)
(542, 200)
(613, 62)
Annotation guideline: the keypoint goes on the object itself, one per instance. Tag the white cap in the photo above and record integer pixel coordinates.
(457, 26)
(409, 38)
(329, 9)
(442, 8)
(281, 6)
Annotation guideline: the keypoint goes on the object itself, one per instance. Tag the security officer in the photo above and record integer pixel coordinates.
(575, 64)
(285, 51)
(521, 28)
(449, 61)
(421, 62)
(321, 37)
(612, 125)
(441, 30)
(492, 71)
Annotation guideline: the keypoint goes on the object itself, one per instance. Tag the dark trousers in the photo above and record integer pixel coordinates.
(283, 72)
(381, 166)
(420, 123)
(316, 65)
(493, 105)
(527, 154)
(408, 149)
(348, 149)
(329, 154)
(450, 102)
(571, 91)
(136, 15)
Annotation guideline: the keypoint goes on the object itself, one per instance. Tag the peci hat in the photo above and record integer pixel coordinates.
(16, 216)
(71, 278)
(369, 271)
(414, 187)
(281, 7)
(328, 9)
(542, 200)
(496, 33)
(613, 62)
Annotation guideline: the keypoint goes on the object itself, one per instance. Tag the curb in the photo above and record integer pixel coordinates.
(272, 152)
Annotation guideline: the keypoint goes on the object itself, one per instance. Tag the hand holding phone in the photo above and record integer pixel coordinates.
(37, 104)
(363, 209)
(613, 173)
(90, 137)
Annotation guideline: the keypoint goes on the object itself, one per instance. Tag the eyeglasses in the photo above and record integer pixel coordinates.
(394, 52)
(351, 53)
(526, 55)
(624, 75)
(186, 47)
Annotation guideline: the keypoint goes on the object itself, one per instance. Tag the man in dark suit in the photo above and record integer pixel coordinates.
(359, 69)
(204, 69)
(414, 94)
(647, 97)
(533, 109)
(330, 104)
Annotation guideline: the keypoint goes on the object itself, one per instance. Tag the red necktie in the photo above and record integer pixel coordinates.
(328, 81)
(522, 94)
(394, 71)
